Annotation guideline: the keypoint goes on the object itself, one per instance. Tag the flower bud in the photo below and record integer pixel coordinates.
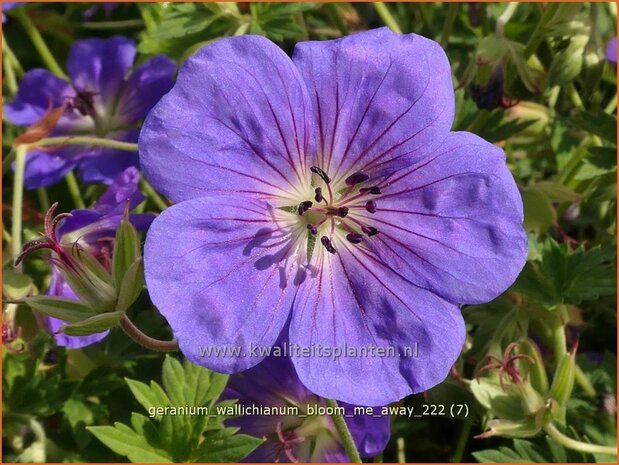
(567, 64)
(533, 113)
(511, 429)
(562, 385)
(537, 373)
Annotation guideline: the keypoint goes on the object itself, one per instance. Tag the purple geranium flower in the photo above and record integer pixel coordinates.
(302, 437)
(100, 101)
(94, 230)
(326, 191)
(611, 51)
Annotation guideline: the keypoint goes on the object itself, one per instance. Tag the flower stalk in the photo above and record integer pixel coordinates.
(18, 197)
(387, 17)
(344, 432)
(146, 341)
(580, 446)
(74, 190)
(39, 43)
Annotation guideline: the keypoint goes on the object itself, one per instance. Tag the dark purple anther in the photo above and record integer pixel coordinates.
(370, 206)
(356, 178)
(326, 242)
(369, 230)
(321, 173)
(372, 190)
(318, 197)
(354, 238)
(304, 206)
(312, 228)
(342, 212)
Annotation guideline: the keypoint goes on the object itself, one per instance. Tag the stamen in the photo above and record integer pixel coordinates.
(318, 197)
(356, 178)
(312, 228)
(321, 173)
(354, 238)
(370, 206)
(326, 242)
(304, 206)
(342, 212)
(372, 190)
(369, 230)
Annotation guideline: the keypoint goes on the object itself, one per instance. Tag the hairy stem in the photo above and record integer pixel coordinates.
(580, 446)
(39, 43)
(18, 198)
(452, 15)
(146, 341)
(344, 432)
(74, 190)
(152, 194)
(86, 140)
(387, 17)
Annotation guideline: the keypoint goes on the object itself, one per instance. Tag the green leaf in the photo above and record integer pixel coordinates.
(539, 214)
(126, 251)
(599, 123)
(491, 50)
(131, 286)
(58, 307)
(92, 325)
(16, 286)
(562, 276)
(125, 441)
(223, 446)
(145, 395)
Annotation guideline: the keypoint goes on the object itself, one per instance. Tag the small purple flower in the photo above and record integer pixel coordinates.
(326, 192)
(611, 51)
(100, 101)
(297, 438)
(94, 230)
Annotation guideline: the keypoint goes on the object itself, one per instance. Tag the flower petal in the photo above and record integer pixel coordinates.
(47, 168)
(453, 223)
(104, 164)
(217, 269)
(100, 65)
(146, 85)
(381, 99)
(238, 117)
(356, 301)
(38, 90)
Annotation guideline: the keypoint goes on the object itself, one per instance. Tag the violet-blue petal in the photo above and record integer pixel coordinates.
(453, 223)
(123, 189)
(356, 300)
(147, 84)
(370, 433)
(38, 89)
(59, 288)
(215, 268)
(104, 164)
(274, 382)
(611, 51)
(381, 99)
(101, 65)
(47, 168)
(237, 120)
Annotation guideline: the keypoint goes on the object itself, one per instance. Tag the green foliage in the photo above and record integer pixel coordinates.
(564, 276)
(186, 437)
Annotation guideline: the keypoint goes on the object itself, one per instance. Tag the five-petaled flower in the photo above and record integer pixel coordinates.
(326, 197)
(101, 100)
(299, 436)
(94, 230)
